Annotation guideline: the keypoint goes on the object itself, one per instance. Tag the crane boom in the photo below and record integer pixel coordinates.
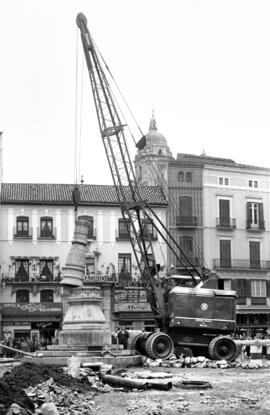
(137, 212)
(132, 205)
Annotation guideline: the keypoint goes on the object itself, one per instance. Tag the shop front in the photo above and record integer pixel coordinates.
(41, 321)
(132, 310)
(253, 323)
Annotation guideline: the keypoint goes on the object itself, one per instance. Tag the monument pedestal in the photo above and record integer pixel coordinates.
(84, 323)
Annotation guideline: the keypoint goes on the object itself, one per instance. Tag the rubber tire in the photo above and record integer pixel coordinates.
(138, 342)
(159, 338)
(222, 348)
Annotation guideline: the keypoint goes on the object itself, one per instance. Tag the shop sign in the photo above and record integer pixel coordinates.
(132, 307)
(30, 308)
(130, 295)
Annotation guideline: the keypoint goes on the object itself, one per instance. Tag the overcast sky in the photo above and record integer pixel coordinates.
(203, 65)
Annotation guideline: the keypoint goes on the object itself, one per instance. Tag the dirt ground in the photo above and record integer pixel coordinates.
(234, 391)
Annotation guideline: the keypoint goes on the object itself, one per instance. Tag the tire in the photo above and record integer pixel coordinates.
(138, 342)
(159, 346)
(222, 348)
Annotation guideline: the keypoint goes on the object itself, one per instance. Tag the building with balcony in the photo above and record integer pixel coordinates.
(219, 213)
(37, 226)
(236, 208)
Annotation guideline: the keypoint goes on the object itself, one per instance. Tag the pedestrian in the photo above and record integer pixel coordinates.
(123, 336)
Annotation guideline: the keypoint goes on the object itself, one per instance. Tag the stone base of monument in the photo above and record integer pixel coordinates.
(86, 335)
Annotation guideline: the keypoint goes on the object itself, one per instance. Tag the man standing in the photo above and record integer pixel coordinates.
(123, 336)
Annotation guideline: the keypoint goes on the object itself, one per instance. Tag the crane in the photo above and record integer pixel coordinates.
(136, 211)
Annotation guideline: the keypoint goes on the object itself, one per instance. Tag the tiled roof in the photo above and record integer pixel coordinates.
(41, 193)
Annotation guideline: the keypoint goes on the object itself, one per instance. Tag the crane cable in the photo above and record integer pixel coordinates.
(78, 115)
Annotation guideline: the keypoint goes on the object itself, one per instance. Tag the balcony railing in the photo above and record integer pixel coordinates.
(46, 233)
(186, 221)
(260, 226)
(228, 223)
(122, 235)
(29, 279)
(22, 234)
(241, 264)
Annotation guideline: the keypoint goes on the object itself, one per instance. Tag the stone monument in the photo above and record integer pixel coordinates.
(84, 323)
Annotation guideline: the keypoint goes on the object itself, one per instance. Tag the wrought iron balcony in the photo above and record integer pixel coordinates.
(241, 264)
(46, 233)
(186, 221)
(122, 236)
(22, 234)
(228, 223)
(11, 279)
(260, 226)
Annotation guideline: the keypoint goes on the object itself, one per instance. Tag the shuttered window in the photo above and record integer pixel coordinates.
(185, 206)
(225, 253)
(224, 212)
(254, 254)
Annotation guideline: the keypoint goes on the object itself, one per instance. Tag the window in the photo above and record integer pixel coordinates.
(254, 254)
(124, 268)
(46, 227)
(22, 296)
(224, 213)
(46, 296)
(90, 220)
(225, 253)
(253, 183)
(148, 230)
(123, 229)
(46, 269)
(255, 216)
(160, 152)
(223, 181)
(181, 176)
(185, 206)
(21, 270)
(189, 176)
(258, 288)
(22, 226)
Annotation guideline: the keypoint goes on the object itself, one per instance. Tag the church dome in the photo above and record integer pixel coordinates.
(154, 137)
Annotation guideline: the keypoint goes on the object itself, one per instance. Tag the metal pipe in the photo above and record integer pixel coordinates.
(130, 383)
(36, 354)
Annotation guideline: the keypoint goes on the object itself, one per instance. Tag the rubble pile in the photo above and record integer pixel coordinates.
(203, 362)
(30, 386)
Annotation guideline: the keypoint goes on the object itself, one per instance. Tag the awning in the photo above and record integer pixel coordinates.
(253, 311)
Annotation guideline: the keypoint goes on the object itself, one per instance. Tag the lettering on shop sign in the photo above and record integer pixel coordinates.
(29, 308)
(130, 295)
(132, 307)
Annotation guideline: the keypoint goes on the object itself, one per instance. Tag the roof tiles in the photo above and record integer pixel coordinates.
(44, 193)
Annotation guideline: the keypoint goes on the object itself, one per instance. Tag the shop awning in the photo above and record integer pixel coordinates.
(253, 311)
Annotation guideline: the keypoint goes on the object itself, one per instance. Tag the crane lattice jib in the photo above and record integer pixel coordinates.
(128, 192)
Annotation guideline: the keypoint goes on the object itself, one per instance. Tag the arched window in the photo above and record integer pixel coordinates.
(188, 176)
(160, 152)
(181, 176)
(46, 296)
(140, 172)
(90, 220)
(22, 296)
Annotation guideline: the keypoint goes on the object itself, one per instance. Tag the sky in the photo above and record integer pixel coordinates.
(203, 65)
